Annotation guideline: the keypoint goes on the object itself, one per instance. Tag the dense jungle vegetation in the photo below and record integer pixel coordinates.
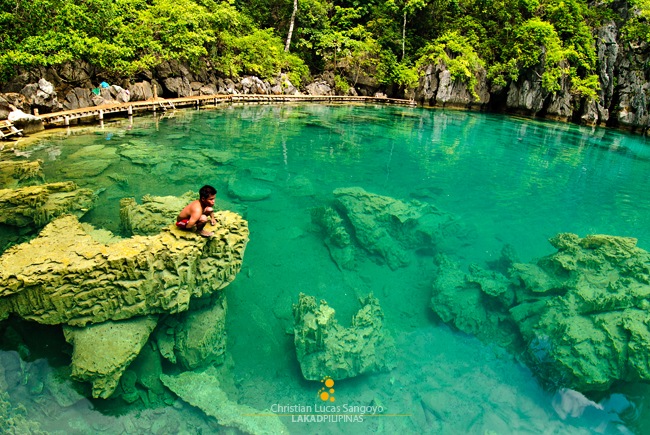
(384, 41)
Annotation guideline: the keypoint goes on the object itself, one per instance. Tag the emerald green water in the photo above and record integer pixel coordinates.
(508, 181)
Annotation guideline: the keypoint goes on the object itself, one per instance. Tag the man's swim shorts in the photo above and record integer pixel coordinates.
(182, 224)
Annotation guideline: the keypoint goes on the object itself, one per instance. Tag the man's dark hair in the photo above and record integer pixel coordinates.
(206, 191)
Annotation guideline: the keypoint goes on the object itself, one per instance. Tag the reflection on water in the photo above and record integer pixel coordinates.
(509, 181)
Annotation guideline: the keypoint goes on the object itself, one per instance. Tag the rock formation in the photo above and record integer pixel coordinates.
(15, 174)
(38, 205)
(385, 227)
(65, 276)
(103, 351)
(579, 316)
(325, 348)
(203, 391)
(155, 212)
(195, 338)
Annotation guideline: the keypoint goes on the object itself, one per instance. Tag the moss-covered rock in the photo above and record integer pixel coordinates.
(579, 316)
(153, 214)
(38, 205)
(389, 229)
(66, 276)
(103, 351)
(325, 348)
(14, 174)
(196, 337)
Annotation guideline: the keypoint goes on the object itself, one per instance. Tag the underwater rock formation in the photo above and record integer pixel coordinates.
(103, 351)
(196, 337)
(388, 228)
(579, 316)
(23, 173)
(203, 391)
(65, 276)
(38, 205)
(325, 348)
(155, 212)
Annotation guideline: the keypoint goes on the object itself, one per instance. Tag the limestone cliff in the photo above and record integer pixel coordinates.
(65, 276)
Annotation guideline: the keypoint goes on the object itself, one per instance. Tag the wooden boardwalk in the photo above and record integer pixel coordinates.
(160, 104)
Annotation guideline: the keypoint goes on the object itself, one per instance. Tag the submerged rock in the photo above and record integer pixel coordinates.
(65, 276)
(325, 348)
(14, 174)
(38, 205)
(579, 316)
(203, 390)
(197, 337)
(103, 351)
(388, 228)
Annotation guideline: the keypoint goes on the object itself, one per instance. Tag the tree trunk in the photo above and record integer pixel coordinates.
(293, 20)
(404, 33)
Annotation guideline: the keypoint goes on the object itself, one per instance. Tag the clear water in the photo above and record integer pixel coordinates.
(511, 181)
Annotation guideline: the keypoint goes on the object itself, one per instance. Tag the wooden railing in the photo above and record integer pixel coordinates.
(160, 104)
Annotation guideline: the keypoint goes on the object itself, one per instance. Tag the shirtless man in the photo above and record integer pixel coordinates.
(195, 215)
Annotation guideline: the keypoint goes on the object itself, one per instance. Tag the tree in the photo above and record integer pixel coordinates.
(291, 24)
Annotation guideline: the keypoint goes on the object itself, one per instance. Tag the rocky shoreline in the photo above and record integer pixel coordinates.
(623, 98)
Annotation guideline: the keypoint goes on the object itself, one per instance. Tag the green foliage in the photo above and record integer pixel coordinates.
(455, 52)
(638, 27)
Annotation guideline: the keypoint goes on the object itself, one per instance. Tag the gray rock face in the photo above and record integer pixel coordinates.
(597, 112)
(42, 96)
(179, 86)
(141, 91)
(326, 349)
(78, 98)
(437, 87)
(12, 101)
(526, 95)
(319, 88)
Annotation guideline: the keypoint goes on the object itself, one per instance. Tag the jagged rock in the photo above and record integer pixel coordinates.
(203, 390)
(155, 212)
(65, 276)
(597, 112)
(437, 87)
(25, 122)
(12, 101)
(141, 91)
(579, 316)
(179, 86)
(318, 88)
(142, 153)
(42, 96)
(386, 227)
(13, 420)
(38, 205)
(114, 94)
(526, 95)
(102, 352)
(197, 337)
(14, 174)
(254, 85)
(325, 348)
(63, 393)
(78, 98)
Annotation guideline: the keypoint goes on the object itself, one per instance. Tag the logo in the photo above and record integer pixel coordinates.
(326, 393)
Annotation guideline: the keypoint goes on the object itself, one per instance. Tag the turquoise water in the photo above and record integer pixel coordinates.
(508, 181)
